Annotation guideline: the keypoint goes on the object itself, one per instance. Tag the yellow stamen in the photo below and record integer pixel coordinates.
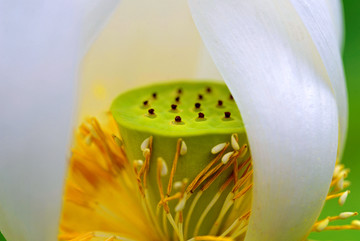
(113, 193)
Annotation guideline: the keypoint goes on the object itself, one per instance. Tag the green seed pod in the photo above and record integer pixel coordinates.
(191, 137)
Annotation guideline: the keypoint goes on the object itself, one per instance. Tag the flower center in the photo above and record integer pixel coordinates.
(175, 165)
(190, 170)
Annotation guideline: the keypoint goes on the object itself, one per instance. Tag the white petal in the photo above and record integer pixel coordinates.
(270, 63)
(336, 12)
(40, 49)
(144, 41)
(324, 29)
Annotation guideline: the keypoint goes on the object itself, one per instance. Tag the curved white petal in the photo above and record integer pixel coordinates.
(40, 46)
(335, 9)
(280, 83)
(323, 21)
(144, 41)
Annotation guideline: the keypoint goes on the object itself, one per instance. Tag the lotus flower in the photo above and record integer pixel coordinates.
(280, 59)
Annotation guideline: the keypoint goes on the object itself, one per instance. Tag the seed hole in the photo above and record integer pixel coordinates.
(177, 118)
(151, 111)
(227, 116)
(201, 117)
(178, 121)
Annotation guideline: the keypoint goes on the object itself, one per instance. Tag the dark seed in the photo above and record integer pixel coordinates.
(173, 107)
(208, 89)
(201, 115)
(220, 103)
(146, 102)
(179, 91)
(200, 97)
(197, 105)
(177, 118)
(177, 99)
(151, 111)
(154, 95)
(231, 97)
(227, 114)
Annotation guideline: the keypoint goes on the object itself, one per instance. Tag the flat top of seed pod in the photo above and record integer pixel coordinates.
(149, 109)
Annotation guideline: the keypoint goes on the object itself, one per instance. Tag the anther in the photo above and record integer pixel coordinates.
(322, 225)
(197, 105)
(337, 170)
(180, 206)
(346, 215)
(227, 114)
(183, 148)
(177, 99)
(200, 97)
(346, 183)
(218, 148)
(356, 223)
(154, 95)
(220, 102)
(139, 163)
(151, 111)
(177, 118)
(146, 102)
(164, 168)
(234, 143)
(173, 107)
(201, 115)
(177, 185)
(226, 157)
(340, 184)
(343, 198)
(145, 144)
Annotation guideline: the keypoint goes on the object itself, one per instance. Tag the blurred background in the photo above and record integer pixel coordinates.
(351, 56)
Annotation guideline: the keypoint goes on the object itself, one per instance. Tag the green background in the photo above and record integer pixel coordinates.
(351, 56)
(352, 151)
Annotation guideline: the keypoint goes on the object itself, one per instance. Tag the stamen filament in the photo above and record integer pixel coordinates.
(191, 188)
(237, 221)
(243, 191)
(173, 169)
(191, 209)
(205, 212)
